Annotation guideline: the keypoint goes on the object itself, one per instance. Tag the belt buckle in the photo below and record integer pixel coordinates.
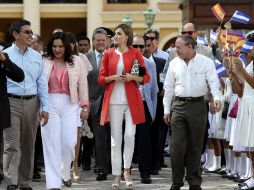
(188, 99)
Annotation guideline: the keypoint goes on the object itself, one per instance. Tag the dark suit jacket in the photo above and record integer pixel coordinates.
(160, 63)
(12, 71)
(96, 91)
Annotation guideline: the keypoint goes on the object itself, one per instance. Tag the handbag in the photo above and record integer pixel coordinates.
(234, 110)
(224, 113)
(137, 70)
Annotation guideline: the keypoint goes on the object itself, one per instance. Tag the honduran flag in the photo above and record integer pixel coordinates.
(247, 47)
(213, 37)
(201, 40)
(242, 57)
(220, 69)
(218, 12)
(240, 17)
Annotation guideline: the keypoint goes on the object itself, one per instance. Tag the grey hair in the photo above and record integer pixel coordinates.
(188, 40)
(99, 31)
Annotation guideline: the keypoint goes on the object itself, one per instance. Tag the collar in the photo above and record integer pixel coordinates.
(16, 48)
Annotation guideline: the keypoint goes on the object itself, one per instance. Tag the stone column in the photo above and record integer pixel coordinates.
(31, 12)
(94, 19)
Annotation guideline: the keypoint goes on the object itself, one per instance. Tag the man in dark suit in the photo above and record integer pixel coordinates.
(101, 133)
(7, 69)
(158, 127)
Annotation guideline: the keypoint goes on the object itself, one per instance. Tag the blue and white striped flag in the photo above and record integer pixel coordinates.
(213, 37)
(242, 57)
(240, 17)
(201, 40)
(220, 69)
(247, 47)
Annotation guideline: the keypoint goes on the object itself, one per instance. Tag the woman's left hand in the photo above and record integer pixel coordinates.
(84, 115)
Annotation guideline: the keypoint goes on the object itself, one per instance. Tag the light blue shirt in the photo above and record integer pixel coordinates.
(35, 81)
(149, 90)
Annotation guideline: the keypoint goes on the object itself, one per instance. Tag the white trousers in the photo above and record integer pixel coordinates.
(59, 138)
(117, 112)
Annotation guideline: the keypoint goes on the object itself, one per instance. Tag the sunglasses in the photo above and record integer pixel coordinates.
(27, 32)
(188, 32)
(150, 38)
(138, 46)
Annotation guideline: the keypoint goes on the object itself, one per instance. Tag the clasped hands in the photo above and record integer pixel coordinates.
(126, 77)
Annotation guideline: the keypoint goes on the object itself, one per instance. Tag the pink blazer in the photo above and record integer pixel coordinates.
(77, 80)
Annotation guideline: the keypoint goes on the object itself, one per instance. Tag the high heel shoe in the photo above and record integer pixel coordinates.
(116, 182)
(127, 177)
(76, 174)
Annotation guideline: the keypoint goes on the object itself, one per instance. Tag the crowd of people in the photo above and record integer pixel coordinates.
(116, 100)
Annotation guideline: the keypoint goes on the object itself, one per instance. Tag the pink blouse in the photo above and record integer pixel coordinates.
(59, 80)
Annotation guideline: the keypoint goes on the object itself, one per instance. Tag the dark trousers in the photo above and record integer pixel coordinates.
(207, 128)
(102, 138)
(38, 151)
(188, 127)
(86, 151)
(143, 143)
(158, 136)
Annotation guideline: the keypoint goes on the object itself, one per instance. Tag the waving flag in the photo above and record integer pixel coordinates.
(213, 37)
(233, 36)
(239, 45)
(242, 57)
(220, 69)
(201, 40)
(218, 12)
(240, 17)
(247, 47)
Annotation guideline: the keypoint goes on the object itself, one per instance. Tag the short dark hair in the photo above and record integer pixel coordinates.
(99, 31)
(188, 40)
(16, 25)
(66, 42)
(128, 32)
(83, 37)
(156, 32)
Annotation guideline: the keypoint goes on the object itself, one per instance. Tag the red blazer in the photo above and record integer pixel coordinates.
(108, 68)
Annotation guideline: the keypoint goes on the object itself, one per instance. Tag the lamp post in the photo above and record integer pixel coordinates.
(149, 16)
(127, 20)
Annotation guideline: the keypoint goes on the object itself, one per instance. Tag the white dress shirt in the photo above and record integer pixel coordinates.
(190, 80)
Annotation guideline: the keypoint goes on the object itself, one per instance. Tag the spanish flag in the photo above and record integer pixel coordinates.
(233, 36)
(218, 12)
(239, 45)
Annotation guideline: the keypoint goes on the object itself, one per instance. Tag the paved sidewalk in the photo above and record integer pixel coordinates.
(159, 182)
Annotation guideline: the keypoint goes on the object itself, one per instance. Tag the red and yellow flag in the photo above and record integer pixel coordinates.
(218, 12)
(239, 45)
(233, 36)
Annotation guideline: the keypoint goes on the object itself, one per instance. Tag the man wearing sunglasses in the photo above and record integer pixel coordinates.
(143, 131)
(26, 100)
(154, 36)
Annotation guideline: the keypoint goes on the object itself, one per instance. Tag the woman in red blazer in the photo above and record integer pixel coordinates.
(122, 99)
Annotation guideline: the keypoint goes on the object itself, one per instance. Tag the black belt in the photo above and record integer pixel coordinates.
(190, 99)
(26, 97)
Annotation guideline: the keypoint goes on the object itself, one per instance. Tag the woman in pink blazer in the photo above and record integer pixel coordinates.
(68, 91)
(122, 99)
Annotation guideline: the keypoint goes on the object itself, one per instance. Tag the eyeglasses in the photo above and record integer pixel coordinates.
(138, 46)
(150, 38)
(188, 32)
(27, 32)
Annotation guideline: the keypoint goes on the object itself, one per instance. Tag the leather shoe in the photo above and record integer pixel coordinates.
(12, 187)
(101, 176)
(195, 187)
(175, 187)
(67, 183)
(26, 188)
(146, 179)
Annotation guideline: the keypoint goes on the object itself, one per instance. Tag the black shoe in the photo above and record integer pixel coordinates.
(67, 183)
(175, 187)
(101, 176)
(12, 187)
(154, 172)
(146, 179)
(1, 177)
(195, 187)
(26, 188)
(86, 168)
(36, 175)
(96, 170)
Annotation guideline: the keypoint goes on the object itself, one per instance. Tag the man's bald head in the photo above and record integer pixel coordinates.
(190, 29)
